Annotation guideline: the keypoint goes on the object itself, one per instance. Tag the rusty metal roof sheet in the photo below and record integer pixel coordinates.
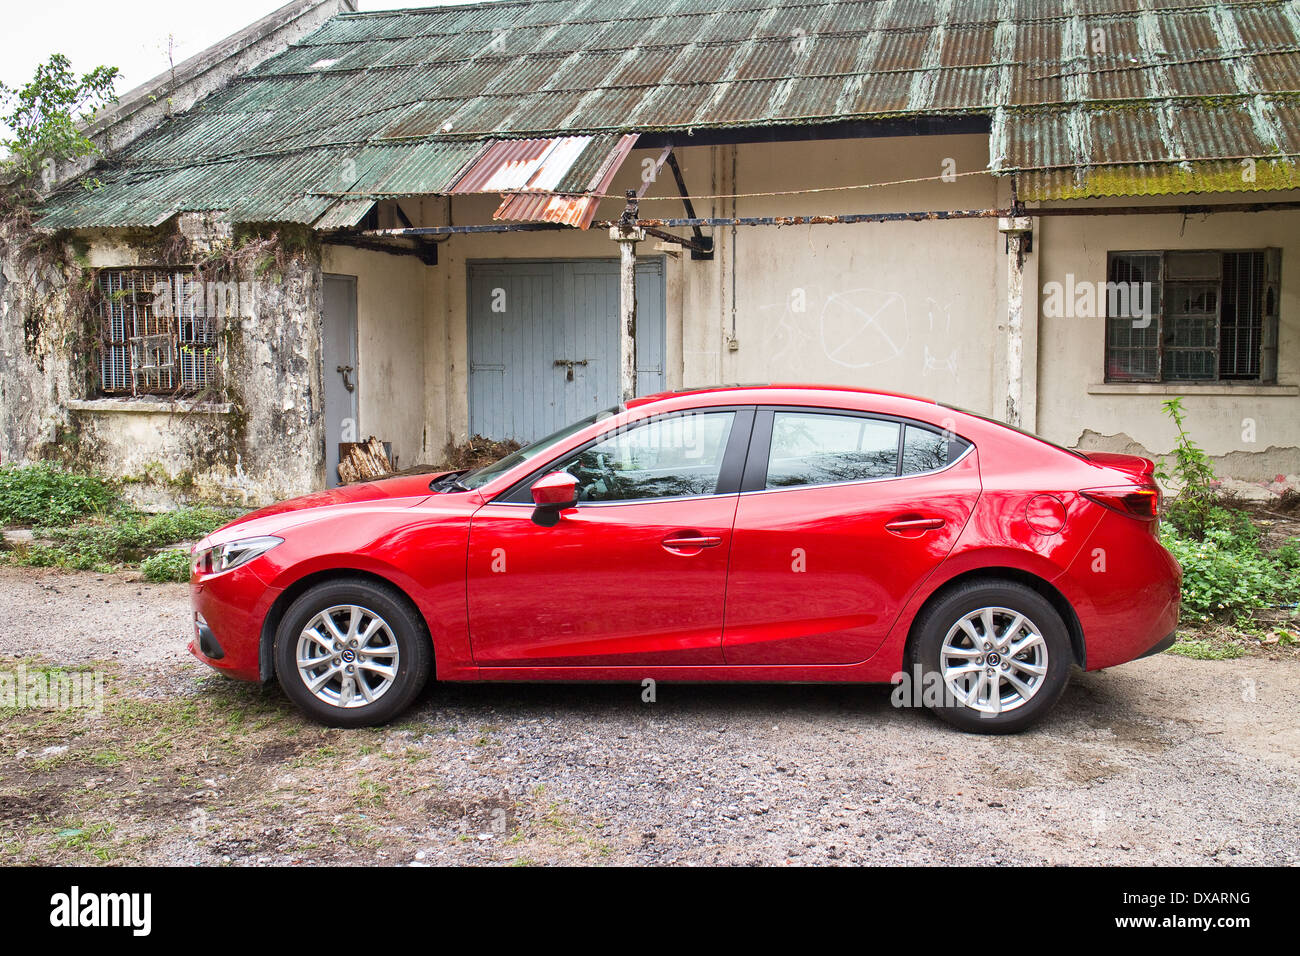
(576, 193)
(1085, 97)
(558, 179)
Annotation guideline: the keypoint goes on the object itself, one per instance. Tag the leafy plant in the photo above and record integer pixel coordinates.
(170, 565)
(43, 494)
(126, 537)
(1192, 471)
(43, 116)
(1226, 573)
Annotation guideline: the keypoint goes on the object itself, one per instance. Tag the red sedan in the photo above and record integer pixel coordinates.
(774, 533)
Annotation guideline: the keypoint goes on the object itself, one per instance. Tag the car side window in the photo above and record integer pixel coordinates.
(676, 456)
(926, 450)
(812, 448)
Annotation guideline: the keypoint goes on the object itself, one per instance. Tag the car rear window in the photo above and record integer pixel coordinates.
(1019, 431)
(927, 450)
(822, 448)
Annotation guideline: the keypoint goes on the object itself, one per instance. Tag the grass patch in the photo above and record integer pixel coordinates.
(1203, 649)
(94, 839)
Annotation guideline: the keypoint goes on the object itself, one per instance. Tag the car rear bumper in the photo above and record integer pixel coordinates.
(1160, 646)
(1126, 590)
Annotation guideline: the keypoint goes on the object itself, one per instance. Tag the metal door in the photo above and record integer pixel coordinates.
(339, 358)
(543, 342)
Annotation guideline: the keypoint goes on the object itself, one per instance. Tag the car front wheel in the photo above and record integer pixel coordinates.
(1002, 654)
(352, 653)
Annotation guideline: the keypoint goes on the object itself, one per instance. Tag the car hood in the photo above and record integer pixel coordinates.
(285, 514)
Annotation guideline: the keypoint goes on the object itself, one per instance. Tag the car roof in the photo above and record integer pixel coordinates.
(770, 393)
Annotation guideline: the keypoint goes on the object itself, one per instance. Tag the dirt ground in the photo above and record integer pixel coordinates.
(1167, 760)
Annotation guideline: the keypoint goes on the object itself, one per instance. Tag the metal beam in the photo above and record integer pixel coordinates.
(846, 219)
(703, 248)
(805, 132)
(928, 215)
(1173, 209)
(426, 253)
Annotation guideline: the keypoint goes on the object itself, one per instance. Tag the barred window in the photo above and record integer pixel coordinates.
(1189, 316)
(157, 337)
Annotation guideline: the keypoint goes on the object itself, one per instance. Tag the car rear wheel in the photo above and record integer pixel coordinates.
(1001, 652)
(352, 653)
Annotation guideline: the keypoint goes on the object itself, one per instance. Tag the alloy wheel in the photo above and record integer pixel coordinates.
(993, 660)
(347, 656)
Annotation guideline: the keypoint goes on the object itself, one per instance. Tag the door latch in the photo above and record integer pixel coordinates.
(345, 371)
(568, 365)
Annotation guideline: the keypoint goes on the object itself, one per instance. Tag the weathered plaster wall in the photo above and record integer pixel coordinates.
(1253, 431)
(262, 442)
(37, 373)
(906, 306)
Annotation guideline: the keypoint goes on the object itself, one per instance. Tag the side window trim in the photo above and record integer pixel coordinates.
(733, 459)
(760, 449)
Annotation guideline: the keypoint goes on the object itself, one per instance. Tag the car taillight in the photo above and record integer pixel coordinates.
(1142, 503)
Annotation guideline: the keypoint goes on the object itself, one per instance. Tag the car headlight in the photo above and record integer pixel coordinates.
(228, 556)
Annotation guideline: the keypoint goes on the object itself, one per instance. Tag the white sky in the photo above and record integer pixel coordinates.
(129, 34)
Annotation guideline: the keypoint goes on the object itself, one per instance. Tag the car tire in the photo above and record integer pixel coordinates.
(951, 642)
(383, 641)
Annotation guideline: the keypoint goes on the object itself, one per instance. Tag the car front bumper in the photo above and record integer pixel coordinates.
(229, 610)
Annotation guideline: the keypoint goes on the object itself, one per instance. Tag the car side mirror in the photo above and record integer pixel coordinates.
(552, 494)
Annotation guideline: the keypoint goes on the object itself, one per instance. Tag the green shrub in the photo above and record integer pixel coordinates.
(1226, 572)
(125, 537)
(170, 565)
(46, 495)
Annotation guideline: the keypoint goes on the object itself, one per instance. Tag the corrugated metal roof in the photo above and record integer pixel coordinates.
(1172, 72)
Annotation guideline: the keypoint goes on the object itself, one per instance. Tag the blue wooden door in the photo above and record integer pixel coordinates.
(543, 342)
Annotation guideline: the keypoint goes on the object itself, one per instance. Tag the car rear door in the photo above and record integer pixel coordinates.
(634, 574)
(841, 517)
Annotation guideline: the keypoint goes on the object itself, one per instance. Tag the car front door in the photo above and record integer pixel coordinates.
(635, 573)
(841, 517)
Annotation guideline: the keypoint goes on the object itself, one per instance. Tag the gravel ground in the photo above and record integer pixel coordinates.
(1165, 761)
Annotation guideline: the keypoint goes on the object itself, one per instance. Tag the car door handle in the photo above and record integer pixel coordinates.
(911, 525)
(691, 542)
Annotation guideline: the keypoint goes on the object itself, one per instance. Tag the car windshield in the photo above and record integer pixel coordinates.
(481, 476)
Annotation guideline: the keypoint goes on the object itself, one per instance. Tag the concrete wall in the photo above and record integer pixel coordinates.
(1253, 430)
(904, 306)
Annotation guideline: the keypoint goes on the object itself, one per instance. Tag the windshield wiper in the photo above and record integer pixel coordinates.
(449, 482)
